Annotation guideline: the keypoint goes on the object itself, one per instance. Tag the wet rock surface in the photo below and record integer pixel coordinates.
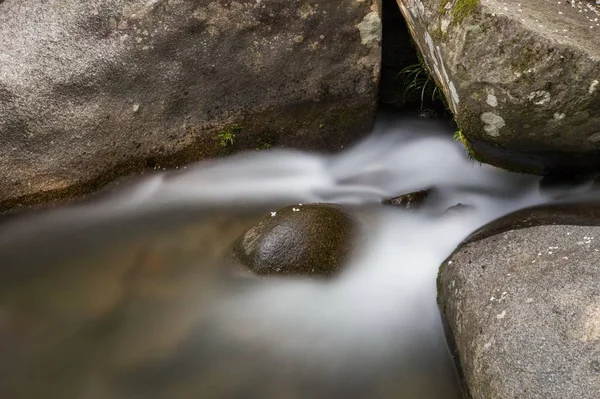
(579, 214)
(93, 90)
(522, 79)
(408, 201)
(521, 302)
(311, 239)
(418, 199)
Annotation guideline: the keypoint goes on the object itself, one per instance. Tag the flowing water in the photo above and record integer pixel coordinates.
(78, 321)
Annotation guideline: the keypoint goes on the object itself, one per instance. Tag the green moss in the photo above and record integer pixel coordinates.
(263, 144)
(226, 137)
(438, 35)
(344, 119)
(443, 5)
(349, 117)
(462, 9)
(460, 137)
(524, 63)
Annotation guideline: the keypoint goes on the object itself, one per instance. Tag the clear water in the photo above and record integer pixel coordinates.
(374, 332)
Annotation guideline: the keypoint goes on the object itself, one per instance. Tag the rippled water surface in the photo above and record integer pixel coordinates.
(132, 295)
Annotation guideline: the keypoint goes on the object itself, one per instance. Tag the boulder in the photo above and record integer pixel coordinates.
(313, 239)
(522, 79)
(521, 304)
(96, 89)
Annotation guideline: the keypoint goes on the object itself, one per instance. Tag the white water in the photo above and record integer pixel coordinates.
(376, 323)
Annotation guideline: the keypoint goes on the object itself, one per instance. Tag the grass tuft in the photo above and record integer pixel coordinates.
(418, 80)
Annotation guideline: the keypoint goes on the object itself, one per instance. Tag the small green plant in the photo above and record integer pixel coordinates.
(460, 137)
(263, 145)
(226, 137)
(419, 80)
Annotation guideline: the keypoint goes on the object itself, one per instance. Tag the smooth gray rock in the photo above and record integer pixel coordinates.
(521, 78)
(90, 90)
(522, 309)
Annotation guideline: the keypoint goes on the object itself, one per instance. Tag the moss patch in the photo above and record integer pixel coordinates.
(438, 35)
(348, 118)
(461, 138)
(523, 63)
(443, 5)
(263, 144)
(462, 9)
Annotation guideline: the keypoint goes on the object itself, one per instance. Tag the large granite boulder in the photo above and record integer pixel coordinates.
(522, 78)
(94, 89)
(521, 302)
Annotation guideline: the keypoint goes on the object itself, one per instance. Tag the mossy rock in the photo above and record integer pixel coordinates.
(524, 91)
(312, 239)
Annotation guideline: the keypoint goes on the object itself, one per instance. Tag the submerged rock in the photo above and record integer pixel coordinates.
(522, 80)
(312, 239)
(408, 201)
(458, 209)
(97, 89)
(521, 301)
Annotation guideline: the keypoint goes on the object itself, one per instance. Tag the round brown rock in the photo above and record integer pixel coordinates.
(312, 239)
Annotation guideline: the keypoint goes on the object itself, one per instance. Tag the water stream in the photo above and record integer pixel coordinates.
(77, 322)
